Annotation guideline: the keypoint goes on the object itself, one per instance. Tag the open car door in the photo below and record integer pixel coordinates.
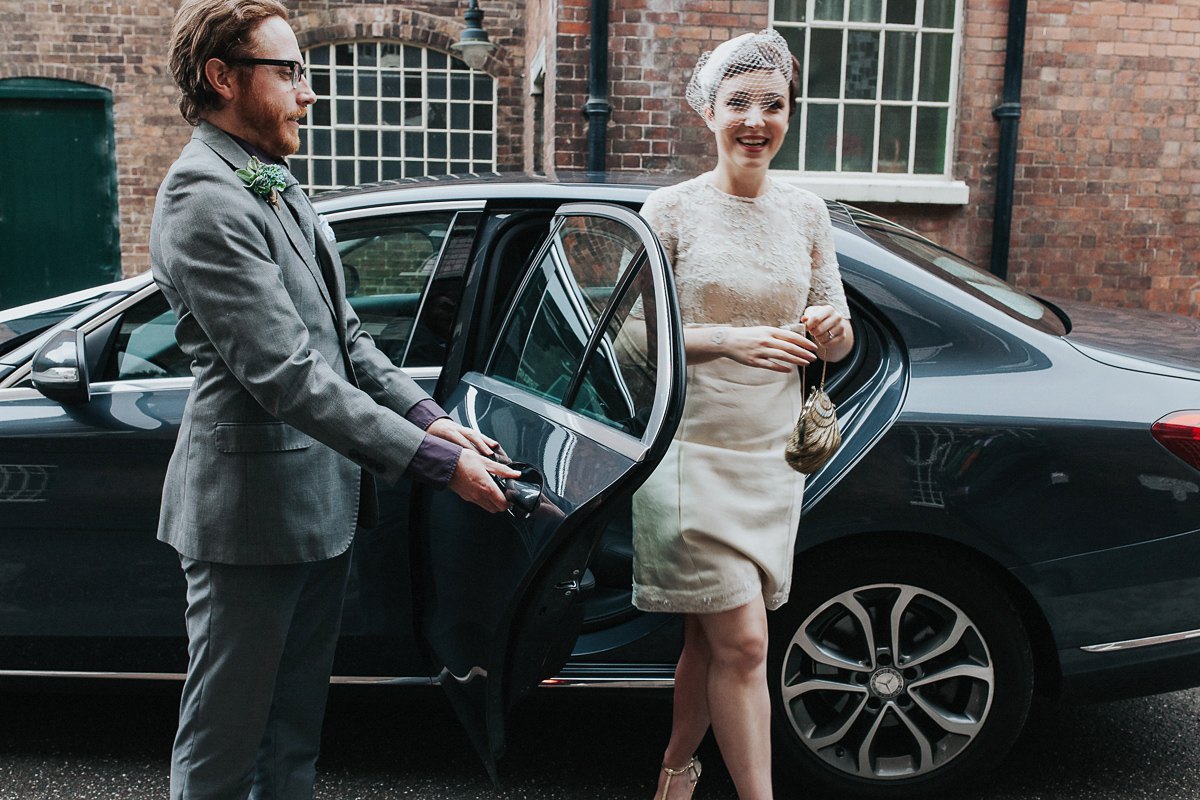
(583, 389)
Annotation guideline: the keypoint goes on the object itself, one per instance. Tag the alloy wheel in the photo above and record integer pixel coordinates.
(887, 681)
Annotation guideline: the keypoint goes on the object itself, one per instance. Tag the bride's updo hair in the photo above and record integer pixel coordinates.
(765, 52)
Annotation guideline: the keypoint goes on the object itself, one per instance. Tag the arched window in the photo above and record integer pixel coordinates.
(386, 110)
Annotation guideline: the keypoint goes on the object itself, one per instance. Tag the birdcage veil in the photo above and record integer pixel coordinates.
(763, 54)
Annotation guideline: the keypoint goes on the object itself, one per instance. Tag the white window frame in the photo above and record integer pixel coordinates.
(874, 186)
(478, 162)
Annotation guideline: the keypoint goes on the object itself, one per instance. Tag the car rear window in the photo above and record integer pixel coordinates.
(959, 272)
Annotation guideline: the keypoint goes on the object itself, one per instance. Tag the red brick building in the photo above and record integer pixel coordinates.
(897, 116)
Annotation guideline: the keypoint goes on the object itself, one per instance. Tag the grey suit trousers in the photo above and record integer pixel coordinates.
(260, 646)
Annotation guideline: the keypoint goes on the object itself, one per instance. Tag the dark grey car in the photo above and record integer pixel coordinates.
(1015, 506)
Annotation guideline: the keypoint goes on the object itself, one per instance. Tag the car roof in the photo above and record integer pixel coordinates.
(561, 185)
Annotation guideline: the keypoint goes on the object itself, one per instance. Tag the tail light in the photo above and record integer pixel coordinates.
(1180, 433)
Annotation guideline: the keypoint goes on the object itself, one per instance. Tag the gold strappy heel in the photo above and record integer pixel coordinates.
(693, 766)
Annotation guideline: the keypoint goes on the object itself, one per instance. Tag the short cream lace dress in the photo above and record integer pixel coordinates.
(716, 522)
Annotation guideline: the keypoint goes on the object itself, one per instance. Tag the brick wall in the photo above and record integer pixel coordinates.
(1107, 203)
(122, 47)
(1107, 193)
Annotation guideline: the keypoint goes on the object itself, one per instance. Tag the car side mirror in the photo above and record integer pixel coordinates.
(60, 369)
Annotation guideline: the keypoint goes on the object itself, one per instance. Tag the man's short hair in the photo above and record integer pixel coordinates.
(205, 29)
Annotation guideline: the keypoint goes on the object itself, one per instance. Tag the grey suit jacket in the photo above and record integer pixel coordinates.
(291, 398)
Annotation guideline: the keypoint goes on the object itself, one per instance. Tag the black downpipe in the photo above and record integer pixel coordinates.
(1009, 114)
(597, 108)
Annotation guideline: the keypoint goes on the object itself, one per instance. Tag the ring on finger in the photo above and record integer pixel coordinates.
(830, 335)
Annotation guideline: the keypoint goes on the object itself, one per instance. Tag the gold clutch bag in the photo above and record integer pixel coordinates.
(816, 436)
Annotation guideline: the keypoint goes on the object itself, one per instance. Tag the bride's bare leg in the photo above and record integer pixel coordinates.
(689, 720)
(738, 700)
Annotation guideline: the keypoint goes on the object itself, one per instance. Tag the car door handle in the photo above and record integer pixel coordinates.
(524, 494)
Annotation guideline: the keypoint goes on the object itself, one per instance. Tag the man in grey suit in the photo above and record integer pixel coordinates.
(293, 414)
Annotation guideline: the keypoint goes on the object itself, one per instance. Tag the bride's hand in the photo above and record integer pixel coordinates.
(765, 347)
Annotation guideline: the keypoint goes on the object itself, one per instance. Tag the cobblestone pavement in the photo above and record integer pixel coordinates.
(112, 743)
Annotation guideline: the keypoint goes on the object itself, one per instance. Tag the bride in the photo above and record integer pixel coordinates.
(715, 525)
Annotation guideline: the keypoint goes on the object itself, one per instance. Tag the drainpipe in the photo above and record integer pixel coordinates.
(1009, 114)
(597, 107)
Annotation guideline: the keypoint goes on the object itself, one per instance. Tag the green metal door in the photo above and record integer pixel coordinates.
(58, 189)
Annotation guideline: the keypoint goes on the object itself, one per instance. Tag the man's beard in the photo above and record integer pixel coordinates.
(270, 122)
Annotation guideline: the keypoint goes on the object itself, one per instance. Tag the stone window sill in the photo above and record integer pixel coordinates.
(880, 188)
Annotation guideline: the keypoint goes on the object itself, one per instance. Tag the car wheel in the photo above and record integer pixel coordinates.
(896, 672)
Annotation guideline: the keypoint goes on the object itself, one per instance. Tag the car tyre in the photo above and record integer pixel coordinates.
(895, 672)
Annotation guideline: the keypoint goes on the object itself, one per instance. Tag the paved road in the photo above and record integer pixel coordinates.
(385, 744)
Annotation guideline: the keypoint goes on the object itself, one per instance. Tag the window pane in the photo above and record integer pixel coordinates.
(820, 148)
(390, 260)
(345, 55)
(618, 385)
(829, 9)
(393, 114)
(389, 55)
(862, 65)
(460, 116)
(367, 84)
(319, 83)
(345, 173)
(902, 12)
(931, 141)
(865, 10)
(899, 63)
(939, 13)
(345, 83)
(437, 116)
(145, 345)
(319, 55)
(790, 10)
(858, 138)
(788, 156)
(391, 144)
(435, 60)
(460, 87)
(344, 141)
(412, 56)
(795, 42)
(368, 143)
(366, 112)
(320, 113)
(893, 138)
(366, 54)
(935, 66)
(368, 171)
(825, 64)
(390, 85)
(322, 172)
(553, 318)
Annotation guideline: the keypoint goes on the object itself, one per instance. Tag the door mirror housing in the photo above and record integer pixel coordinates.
(60, 369)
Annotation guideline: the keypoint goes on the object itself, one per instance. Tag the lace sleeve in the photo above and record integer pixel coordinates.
(826, 286)
(658, 211)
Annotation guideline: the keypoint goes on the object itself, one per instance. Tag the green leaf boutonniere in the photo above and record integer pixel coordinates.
(264, 179)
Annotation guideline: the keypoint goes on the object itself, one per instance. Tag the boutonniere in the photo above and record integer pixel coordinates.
(264, 179)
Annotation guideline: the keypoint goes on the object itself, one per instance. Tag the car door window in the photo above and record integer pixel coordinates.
(388, 263)
(145, 344)
(576, 334)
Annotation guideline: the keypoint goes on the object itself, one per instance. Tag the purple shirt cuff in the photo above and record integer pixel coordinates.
(424, 413)
(434, 462)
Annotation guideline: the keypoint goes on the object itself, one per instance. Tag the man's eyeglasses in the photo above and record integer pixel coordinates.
(297, 69)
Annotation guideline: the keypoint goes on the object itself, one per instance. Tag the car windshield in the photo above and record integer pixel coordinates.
(18, 330)
(958, 271)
